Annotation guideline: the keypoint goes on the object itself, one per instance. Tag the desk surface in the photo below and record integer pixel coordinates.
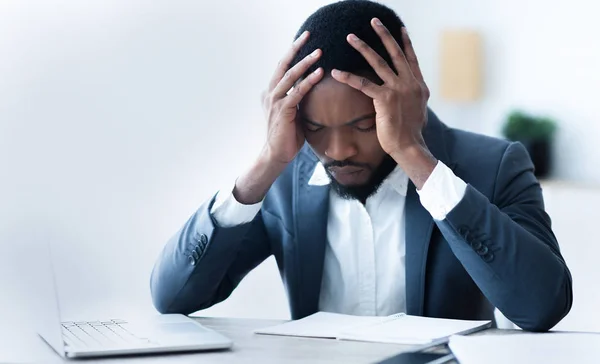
(251, 348)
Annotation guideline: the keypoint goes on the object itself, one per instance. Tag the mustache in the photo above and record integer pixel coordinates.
(341, 164)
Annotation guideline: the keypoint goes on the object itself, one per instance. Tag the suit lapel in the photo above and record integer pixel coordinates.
(312, 208)
(419, 223)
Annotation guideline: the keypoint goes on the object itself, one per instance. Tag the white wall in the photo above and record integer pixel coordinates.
(539, 55)
(573, 210)
(117, 119)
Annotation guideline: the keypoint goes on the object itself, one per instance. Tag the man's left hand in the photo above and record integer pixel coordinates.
(400, 102)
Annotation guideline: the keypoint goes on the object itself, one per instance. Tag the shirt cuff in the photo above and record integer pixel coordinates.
(228, 212)
(442, 191)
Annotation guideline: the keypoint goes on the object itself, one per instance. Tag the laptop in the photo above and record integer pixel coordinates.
(111, 337)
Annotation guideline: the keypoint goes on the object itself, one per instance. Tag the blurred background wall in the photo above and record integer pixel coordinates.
(117, 119)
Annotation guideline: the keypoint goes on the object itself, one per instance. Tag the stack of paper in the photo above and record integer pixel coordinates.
(548, 348)
(321, 325)
(395, 329)
(405, 329)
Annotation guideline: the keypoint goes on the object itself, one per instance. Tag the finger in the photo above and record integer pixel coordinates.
(284, 63)
(381, 67)
(363, 84)
(302, 88)
(392, 47)
(411, 56)
(292, 75)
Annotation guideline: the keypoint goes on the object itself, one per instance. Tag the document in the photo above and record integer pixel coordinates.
(321, 325)
(395, 329)
(406, 329)
(547, 348)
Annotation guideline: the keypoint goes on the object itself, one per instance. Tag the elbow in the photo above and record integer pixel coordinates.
(166, 290)
(540, 323)
(166, 301)
(160, 299)
(550, 311)
(163, 293)
(160, 303)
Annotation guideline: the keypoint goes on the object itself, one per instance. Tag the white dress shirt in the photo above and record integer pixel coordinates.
(364, 267)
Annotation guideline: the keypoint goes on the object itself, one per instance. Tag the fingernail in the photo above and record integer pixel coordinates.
(353, 37)
(300, 38)
(378, 22)
(315, 53)
(304, 34)
(335, 72)
(318, 71)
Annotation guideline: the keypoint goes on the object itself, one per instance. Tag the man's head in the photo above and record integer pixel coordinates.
(339, 121)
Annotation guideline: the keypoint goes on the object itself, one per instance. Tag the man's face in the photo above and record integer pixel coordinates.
(339, 125)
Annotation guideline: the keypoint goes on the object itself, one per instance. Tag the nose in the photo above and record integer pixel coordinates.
(340, 146)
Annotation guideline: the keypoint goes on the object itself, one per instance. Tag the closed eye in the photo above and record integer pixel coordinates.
(312, 128)
(365, 126)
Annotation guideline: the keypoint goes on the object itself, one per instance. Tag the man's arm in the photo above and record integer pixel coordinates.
(217, 247)
(202, 264)
(223, 241)
(508, 247)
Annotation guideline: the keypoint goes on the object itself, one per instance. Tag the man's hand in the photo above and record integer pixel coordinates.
(400, 103)
(284, 136)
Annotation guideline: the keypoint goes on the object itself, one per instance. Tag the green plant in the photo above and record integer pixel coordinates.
(521, 126)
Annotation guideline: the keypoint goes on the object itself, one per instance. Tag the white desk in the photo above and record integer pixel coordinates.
(258, 349)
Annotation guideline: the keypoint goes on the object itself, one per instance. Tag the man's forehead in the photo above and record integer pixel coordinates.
(330, 90)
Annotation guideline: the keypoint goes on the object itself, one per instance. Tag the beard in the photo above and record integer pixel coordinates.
(365, 190)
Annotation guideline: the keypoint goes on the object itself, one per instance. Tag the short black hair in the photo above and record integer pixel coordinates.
(330, 25)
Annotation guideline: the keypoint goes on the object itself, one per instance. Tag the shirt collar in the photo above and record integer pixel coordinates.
(398, 179)
(319, 176)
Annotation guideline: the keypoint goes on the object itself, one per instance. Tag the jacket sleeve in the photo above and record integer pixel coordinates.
(203, 263)
(508, 246)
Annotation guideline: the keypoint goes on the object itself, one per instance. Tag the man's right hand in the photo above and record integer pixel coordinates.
(285, 136)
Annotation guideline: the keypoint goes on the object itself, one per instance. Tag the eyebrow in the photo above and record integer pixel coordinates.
(350, 123)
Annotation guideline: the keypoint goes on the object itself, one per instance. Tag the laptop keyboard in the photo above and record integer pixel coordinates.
(111, 333)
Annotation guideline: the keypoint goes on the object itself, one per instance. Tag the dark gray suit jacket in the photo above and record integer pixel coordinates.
(494, 249)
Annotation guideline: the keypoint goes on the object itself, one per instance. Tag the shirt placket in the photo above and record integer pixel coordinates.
(366, 259)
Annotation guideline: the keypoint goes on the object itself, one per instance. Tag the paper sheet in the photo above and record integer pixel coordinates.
(413, 330)
(398, 329)
(320, 325)
(547, 348)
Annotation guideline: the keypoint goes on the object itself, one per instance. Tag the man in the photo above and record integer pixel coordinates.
(369, 203)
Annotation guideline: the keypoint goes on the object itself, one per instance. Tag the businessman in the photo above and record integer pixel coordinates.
(369, 203)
